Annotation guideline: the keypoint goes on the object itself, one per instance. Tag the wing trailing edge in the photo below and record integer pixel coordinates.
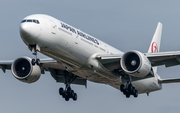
(173, 80)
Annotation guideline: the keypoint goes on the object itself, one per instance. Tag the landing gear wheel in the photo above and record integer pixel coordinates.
(124, 92)
(130, 88)
(61, 91)
(67, 97)
(127, 95)
(69, 91)
(38, 62)
(72, 94)
(63, 94)
(33, 62)
(75, 97)
(135, 93)
(122, 88)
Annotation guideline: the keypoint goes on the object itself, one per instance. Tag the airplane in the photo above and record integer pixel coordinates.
(75, 57)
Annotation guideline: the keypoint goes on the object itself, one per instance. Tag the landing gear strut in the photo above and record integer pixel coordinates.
(35, 60)
(68, 93)
(128, 90)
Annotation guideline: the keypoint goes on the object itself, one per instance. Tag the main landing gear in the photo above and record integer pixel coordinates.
(128, 90)
(68, 93)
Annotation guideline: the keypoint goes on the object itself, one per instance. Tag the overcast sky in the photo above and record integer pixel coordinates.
(123, 24)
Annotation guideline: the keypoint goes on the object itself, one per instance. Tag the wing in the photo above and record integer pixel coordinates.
(109, 62)
(112, 62)
(55, 68)
(164, 58)
(173, 80)
(45, 64)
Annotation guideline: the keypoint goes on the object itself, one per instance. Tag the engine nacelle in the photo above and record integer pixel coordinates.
(23, 70)
(136, 64)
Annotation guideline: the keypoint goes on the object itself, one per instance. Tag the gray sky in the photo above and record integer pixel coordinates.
(123, 24)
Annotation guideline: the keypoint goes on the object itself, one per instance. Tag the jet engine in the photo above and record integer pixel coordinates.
(135, 64)
(23, 70)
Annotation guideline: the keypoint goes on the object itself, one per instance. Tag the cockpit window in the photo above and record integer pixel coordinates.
(31, 20)
(23, 21)
(37, 21)
(34, 21)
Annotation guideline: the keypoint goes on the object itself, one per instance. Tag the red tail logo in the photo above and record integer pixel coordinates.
(154, 47)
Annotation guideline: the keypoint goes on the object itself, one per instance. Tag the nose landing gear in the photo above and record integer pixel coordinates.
(35, 60)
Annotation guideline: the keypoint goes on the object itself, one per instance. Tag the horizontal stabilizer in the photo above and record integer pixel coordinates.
(162, 81)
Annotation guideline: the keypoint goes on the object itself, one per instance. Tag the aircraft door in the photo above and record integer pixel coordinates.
(75, 43)
(76, 38)
(53, 27)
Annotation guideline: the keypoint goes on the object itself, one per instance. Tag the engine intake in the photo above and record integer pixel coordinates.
(136, 64)
(23, 70)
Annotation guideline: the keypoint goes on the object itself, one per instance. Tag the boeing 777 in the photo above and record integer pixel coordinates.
(75, 57)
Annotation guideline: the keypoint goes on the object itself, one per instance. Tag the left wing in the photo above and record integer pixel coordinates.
(168, 59)
(173, 80)
(164, 58)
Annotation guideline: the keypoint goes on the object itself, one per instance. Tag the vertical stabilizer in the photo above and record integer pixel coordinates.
(156, 41)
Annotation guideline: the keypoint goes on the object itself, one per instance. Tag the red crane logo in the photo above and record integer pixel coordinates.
(154, 47)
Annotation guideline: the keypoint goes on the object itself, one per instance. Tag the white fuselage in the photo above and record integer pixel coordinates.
(76, 50)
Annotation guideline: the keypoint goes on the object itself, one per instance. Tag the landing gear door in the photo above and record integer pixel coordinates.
(53, 27)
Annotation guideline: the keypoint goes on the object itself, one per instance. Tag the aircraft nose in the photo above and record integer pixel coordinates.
(29, 32)
(25, 29)
(25, 32)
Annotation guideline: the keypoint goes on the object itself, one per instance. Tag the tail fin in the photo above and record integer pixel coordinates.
(156, 41)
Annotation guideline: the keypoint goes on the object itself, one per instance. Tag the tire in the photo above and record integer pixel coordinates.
(75, 97)
(127, 95)
(61, 91)
(124, 92)
(67, 98)
(122, 88)
(33, 62)
(38, 62)
(135, 93)
(63, 95)
(69, 91)
(130, 88)
(72, 93)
